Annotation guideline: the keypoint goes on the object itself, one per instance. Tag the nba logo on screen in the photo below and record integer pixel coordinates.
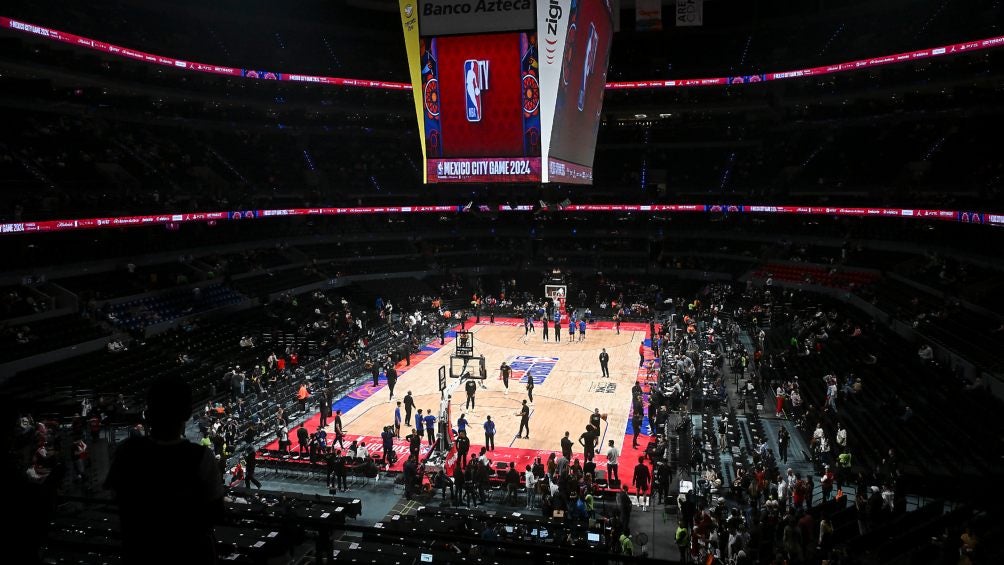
(475, 80)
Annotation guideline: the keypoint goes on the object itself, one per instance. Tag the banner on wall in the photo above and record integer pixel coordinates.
(689, 13)
(648, 15)
(409, 24)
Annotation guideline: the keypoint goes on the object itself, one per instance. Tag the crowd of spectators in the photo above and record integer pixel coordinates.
(83, 166)
(856, 137)
(18, 301)
(754, 505)
(288, 382)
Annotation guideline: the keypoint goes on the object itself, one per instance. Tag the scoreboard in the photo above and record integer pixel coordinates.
(508, 90)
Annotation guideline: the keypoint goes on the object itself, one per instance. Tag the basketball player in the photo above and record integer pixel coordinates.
(489, 434)
(595, 418)
(642, 479)
(430, 426)
(544, 322)
(470, 388)
(557, 325)
(397, 420)
(506, 371)
(529, 388)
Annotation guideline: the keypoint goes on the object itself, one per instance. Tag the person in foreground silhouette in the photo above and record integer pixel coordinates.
(169, 490)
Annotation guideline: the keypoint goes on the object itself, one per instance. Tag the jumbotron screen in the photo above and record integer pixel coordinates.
(481, 107)
(494, 104)
(579, 102)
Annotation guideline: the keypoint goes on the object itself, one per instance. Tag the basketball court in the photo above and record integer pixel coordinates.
(568, 386)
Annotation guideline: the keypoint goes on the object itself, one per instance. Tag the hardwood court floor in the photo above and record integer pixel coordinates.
(569, 386)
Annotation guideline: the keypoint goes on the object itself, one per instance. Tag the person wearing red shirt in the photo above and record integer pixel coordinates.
(761, 479)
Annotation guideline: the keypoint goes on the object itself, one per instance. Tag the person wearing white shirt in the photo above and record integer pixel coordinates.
(831, 393)
(676, 388)
(612, 455)
(531, 488)
(764, 450)
(779, 401)
(841, 436)
(888, 498)
(817, 435)
(782, 493)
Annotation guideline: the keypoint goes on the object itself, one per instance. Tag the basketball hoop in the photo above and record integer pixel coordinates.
(557, 293)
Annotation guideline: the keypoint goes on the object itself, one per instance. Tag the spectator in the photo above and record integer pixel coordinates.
(187, 479)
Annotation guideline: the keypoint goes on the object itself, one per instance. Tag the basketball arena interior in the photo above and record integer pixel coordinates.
(564, 281)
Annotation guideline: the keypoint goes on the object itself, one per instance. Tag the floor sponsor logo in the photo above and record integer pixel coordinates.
(524, 366)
